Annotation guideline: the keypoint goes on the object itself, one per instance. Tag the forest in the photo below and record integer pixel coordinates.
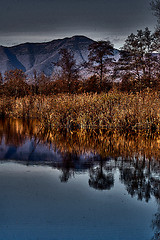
(103, 92)
(137, 69)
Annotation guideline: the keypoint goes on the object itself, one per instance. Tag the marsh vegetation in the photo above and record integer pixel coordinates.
(111, 111)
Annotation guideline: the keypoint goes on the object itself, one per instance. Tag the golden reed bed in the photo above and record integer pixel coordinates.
(112, 111)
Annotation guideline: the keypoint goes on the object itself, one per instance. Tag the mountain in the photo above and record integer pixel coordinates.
(41, 56)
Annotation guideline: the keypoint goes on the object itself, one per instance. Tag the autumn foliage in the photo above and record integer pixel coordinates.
(68, 100)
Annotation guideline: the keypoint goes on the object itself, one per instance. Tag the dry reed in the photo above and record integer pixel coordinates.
(113, 110)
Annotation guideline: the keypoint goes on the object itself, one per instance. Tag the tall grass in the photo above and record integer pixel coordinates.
(113, 111)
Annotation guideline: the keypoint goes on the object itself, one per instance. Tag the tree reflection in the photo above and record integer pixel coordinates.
(99, 178)
(156, 225)
(99, 153)
(67, 167)
(137, 177)
(136, 156)
(155, 187)
(137, 180)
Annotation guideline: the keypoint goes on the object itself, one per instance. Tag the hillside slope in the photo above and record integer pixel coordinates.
(41, 56)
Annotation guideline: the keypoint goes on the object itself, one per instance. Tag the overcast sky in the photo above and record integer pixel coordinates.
(45, 20)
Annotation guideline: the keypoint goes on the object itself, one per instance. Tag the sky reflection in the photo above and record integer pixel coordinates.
(80, 185)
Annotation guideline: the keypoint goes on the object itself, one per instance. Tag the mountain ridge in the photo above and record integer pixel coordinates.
(39, 57)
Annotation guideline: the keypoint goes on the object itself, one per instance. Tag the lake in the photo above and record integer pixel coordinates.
(80, 185)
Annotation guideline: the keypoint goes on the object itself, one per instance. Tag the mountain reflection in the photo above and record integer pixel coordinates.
(100, 153)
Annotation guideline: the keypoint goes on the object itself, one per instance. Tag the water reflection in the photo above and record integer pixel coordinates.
(67, 166)
(100, 154)
(101, 177)
(136, 156)
(156, 224)
(139, 179)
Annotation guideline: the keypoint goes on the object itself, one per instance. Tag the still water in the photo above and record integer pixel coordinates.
(77, 185)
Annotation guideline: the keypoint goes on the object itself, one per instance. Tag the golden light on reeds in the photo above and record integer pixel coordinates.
(112, 111)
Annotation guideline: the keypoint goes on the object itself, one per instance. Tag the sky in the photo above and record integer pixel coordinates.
(45, 20)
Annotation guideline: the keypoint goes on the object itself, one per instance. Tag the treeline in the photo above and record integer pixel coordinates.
(136, 69)
(16, 84)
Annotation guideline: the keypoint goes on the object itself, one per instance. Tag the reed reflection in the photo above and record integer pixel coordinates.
(17, 131)
(98, 152)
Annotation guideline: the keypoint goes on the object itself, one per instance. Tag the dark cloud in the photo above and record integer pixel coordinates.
(98, 18)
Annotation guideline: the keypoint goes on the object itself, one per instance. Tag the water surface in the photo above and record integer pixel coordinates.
(77, 185)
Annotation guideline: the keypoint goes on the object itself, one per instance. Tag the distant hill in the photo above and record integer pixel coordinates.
(40, 56)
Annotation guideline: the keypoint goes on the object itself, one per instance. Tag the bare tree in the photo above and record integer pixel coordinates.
(69, 71)
(15, 83)
(99, 59)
